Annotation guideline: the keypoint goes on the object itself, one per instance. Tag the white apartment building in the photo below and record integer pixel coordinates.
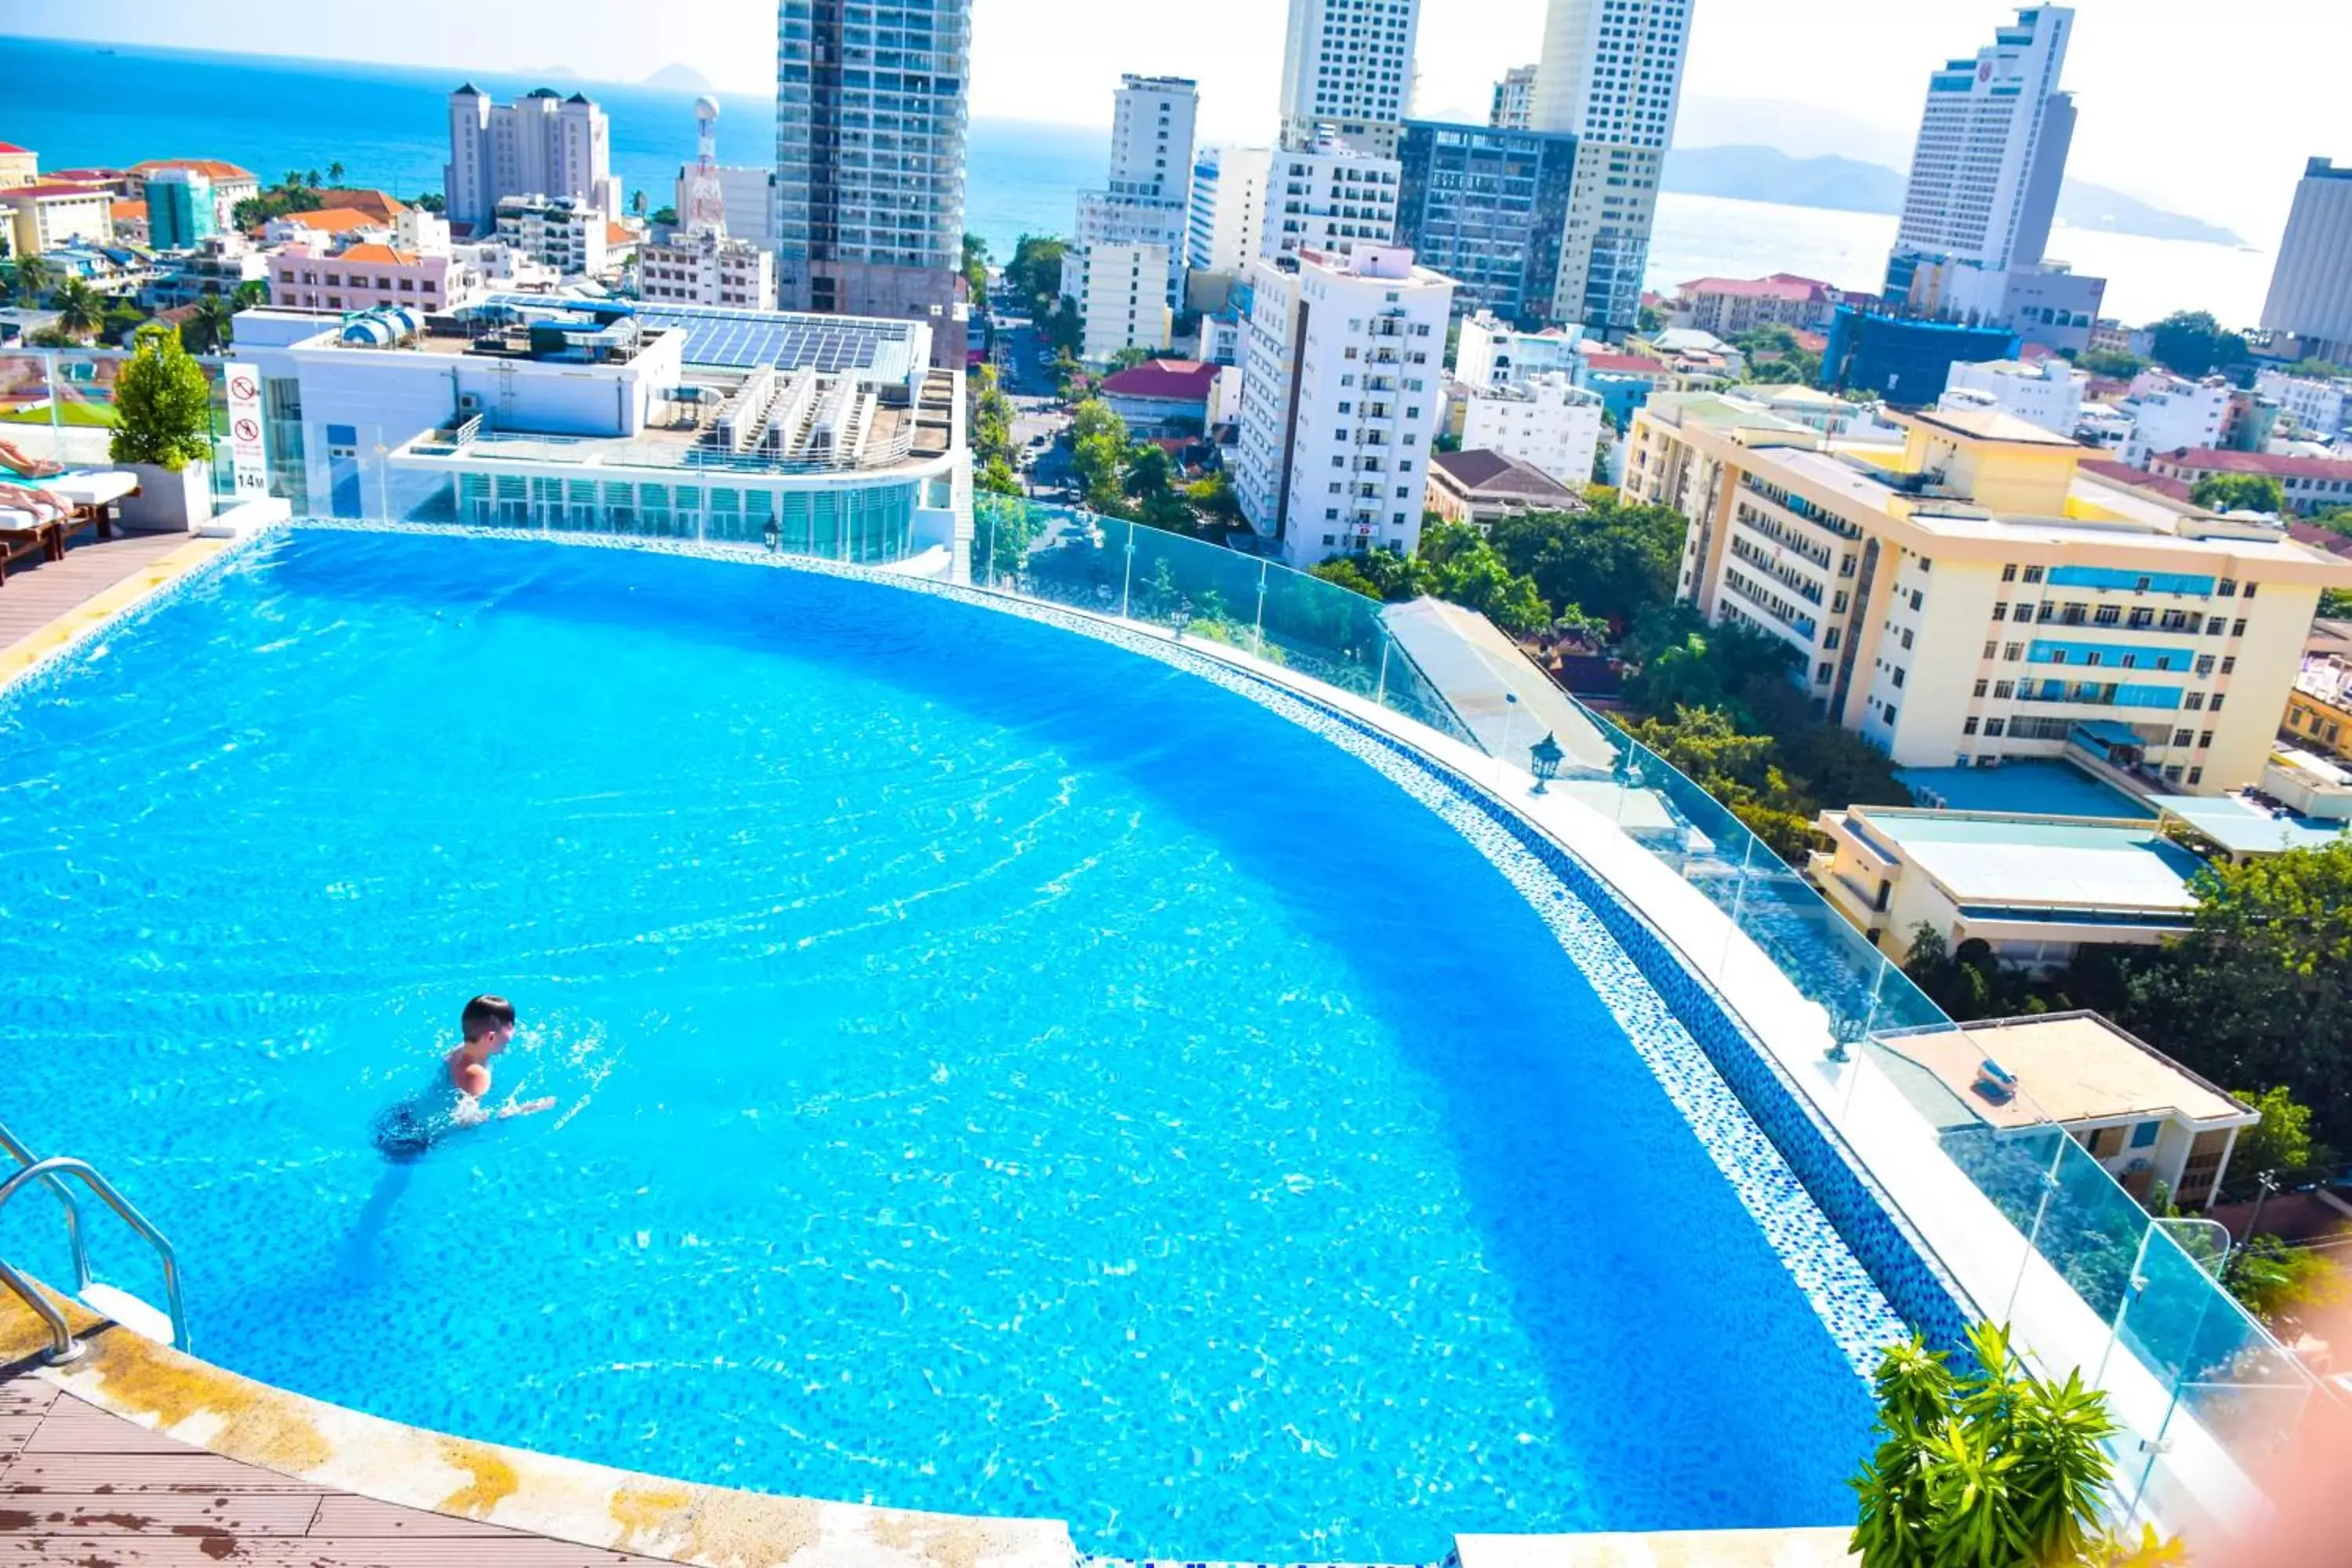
(708, 268)
(2316, 408)
(1515, 98)
(2048, 393)
(569, 236)
(542, 145)
(1120, 293)
(750, 195)
(1611, 75)
(1347, 69)
(1490, 354)
(2168, 414)
(1124, 272)
(1228, 203)
(1341, 400)
(1981, 598)
(1991, 152)
(1544, 421)
(1327, 197)
(2311, 285)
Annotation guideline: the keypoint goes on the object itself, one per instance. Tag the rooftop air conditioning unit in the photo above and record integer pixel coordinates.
(469, 403)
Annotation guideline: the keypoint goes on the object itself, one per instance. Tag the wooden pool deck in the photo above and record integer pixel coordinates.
(78, 1486)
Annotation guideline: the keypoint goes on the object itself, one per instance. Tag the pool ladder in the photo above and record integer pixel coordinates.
(33, 1172)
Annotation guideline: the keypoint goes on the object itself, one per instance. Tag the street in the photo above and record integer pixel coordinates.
(1024, 372)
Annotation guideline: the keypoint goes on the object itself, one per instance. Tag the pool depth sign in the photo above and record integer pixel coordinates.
(248, 452)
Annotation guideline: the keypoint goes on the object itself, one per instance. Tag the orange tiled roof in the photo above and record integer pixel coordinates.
(377, 253)
(210, 168)
(382, 205)
(334, 220)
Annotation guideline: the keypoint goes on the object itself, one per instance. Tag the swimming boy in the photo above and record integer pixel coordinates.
(455, 1098)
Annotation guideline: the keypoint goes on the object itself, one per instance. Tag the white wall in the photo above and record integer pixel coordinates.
(1548, 423)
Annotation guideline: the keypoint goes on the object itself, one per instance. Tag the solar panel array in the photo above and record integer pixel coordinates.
(741, 339)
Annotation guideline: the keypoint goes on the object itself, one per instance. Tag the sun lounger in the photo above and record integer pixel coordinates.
(22, 533)
(93, 496)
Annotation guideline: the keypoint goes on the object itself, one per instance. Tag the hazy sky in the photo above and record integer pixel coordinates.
(2208, 107)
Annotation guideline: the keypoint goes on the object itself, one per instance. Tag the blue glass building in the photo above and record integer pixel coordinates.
(1904, 360)
(1487, 207)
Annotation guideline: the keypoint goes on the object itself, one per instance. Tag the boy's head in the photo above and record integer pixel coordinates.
(488, 1020)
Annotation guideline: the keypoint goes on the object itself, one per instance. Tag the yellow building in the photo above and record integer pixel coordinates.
(42, 215)
(2319, 709)
(1969, 596)
(18, 165)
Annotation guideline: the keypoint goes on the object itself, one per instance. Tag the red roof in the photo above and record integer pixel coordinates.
(12, 147)
(51, 188)
(2212, 460)
(2138, 478)
(210, 168)
(1172, 380)
(2320, 538)
(1630, 365)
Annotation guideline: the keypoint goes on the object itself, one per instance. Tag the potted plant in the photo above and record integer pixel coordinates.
(163, 434)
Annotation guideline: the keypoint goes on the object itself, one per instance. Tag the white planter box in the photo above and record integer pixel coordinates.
(168, 503)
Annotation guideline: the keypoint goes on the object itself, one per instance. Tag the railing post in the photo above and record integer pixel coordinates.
(1380, 692)
(1127, 573)
(1257, 634)
(1739, 905)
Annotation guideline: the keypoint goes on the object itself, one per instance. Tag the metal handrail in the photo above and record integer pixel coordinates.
(63, 1347)
(16, 1150)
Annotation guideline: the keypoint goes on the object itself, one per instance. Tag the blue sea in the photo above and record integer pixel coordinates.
(77, 105)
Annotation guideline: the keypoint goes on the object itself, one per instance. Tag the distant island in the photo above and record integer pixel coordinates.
(676, 77)
(1849, 185)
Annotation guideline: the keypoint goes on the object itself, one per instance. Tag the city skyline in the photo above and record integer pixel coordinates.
(2136, 60)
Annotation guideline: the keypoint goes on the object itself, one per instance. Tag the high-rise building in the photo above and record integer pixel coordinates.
(1343, 395)
(871, 119)
(1124, 272)
(1991, 154)
(2311, 286)
(1347, 71)
(180, 209)
(1228, 205)
(1328, 197)
(541, 144)
(1488, 208)
(1514, 99)
(1611, 75)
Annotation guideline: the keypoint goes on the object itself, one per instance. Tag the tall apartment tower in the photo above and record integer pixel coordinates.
(1515, 100)
(541, 144)
(1341, 400)
(1125, 271)
(870, 120)
(2311, 287)
(1611, 75)
(1991, 154)
(1228, 206)
(1347, 66)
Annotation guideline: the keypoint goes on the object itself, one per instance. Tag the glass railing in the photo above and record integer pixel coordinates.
(58, 405)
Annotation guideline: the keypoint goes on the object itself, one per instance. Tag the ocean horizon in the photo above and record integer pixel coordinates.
(80, 104)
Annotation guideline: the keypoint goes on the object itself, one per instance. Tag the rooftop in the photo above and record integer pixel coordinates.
(1779, 286)
(2071, 1067)
(1479, 472)
(2274, 465)
(2137, 478)
(1994, 863)
(2242, 827)
(211, 168)
(383, 253)
(334, 220)
(2047, 788)
(1630, 365)
(53, 188)
(1989, 424)
(877, 348)
(1179, 380)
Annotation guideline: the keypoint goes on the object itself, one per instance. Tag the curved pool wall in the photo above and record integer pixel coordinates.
(1882, 1240)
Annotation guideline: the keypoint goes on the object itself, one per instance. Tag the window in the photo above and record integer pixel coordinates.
(2205, 664)
(2108, 615)
(2008, 573)
(1969, 727)
(1899, 677)
(2057, 655)
(1906, 637)
(2213, 626)
(2034, 573)
(2204, 739)
(2013, 653)
(2181, 737)
(1990, 649)
(2237, 628)
(1332, 514)
(2194, 702)
(1981, 686)
(2214, 706)
(2228, 589)
(1993, 728)
(1919, 601)
(1829, 640)
(2000, 610)
(1822, 671)
(2250, 589)
(2197, 775)
(2002, 690)
(1339, 462)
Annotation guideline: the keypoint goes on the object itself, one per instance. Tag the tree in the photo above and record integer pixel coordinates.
(1036, 271)
(2317, 368)
(311, 178)
(1128, 357)
(2192, 343)
(210, 330)
(334, 174)
(975, 266)
(2261, 990)
(996, 476)
(2240, 492)
(162, 405)
(637, 202)
(293, 181)
(81, 309)
(665, 217)
(2274, 1280)
(1616, 559)
(436, 202)
(1098, 452)
(2282, 1141)
(35, 278)
(1344, 570)
(2110, 362)
(1988, 1468)
(121, 319)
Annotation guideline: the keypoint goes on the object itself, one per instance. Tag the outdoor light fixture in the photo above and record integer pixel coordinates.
(773, 535)
(1546, 755)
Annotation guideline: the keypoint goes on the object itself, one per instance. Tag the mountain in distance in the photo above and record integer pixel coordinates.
(1799, 130)
(1851, 184)
(676, 77)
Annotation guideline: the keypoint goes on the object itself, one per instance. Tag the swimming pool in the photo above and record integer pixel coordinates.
(996, 1071)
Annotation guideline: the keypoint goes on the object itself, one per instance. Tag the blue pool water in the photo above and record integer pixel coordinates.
(996, 1072)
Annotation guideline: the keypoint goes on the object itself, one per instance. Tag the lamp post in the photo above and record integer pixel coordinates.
(1546, 756)
(773, 535)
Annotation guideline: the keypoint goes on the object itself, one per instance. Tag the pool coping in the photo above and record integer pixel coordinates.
(552, 1505)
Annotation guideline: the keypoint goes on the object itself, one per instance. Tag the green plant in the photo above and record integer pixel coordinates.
(209, 329)
(162, 405)
(1988, 1467)
(2240, 492)
(2272, 1279)
(2283, 1140)
(34, 278)
(81, 310)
